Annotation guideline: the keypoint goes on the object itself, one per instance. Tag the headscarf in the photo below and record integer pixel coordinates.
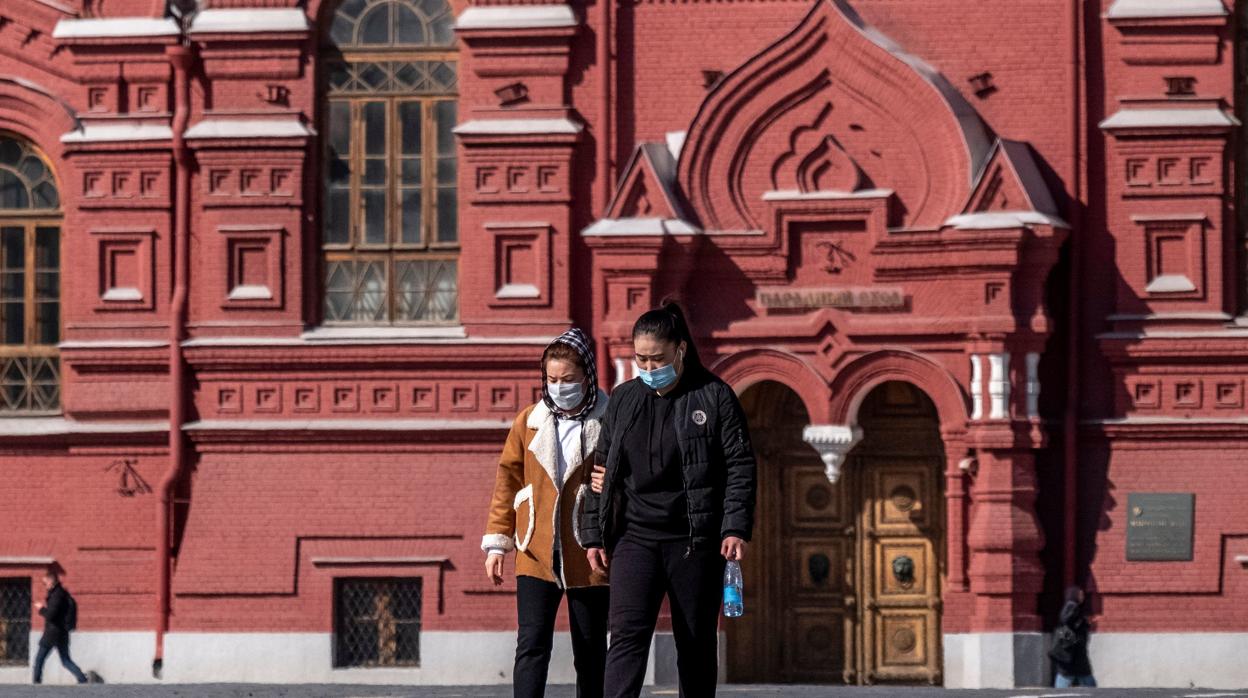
(576, 339)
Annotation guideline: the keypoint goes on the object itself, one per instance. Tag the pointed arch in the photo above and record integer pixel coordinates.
(891, 114)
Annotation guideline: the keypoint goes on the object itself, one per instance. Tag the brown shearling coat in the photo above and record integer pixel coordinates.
(527, 504)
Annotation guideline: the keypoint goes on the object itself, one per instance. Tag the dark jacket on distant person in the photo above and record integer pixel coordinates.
(55, 612)
(1070, 657)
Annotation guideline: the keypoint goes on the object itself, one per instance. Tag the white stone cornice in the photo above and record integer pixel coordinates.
(833, 442)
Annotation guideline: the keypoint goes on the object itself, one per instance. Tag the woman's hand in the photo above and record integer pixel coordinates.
(494, 568)
(595, 479)
(733, 548)
(597, 560)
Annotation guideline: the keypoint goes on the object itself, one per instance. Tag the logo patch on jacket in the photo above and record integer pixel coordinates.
(699, 417)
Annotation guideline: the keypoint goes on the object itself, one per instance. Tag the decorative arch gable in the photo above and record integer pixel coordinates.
(834, 106)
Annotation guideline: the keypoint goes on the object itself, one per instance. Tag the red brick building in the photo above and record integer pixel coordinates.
(275, 274)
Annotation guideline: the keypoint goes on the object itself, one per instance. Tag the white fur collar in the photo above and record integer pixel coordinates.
(545, 443)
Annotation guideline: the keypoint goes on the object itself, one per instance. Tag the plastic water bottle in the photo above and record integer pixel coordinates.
(733, 604)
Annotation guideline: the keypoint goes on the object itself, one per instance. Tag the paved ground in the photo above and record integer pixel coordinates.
(311, 691)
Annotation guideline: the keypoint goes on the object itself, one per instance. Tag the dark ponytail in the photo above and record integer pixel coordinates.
(667, 323)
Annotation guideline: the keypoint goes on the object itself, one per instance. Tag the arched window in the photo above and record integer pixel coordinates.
(30, 281)
(390, 230)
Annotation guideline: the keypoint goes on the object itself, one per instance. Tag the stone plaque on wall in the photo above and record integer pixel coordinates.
(1159, 526)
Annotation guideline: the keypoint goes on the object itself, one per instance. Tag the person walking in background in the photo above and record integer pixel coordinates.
(1070, 644)
(60, 616)
(674, 499)
(542, 473)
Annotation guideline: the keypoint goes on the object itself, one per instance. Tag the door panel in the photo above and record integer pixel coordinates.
(814, 644)
(842, 582)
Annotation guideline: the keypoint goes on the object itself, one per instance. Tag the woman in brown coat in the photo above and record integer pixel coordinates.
(542, 477)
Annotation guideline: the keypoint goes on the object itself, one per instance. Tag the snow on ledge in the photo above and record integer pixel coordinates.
(532, 17)
(518, 127)
(248, 128)
(105, 131)
(608, 227)
(249, 21)
(1150, 9)
(999, 220)
(114, 27)
(1169, 118)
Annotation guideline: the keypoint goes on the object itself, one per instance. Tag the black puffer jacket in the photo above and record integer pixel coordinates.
(717, 463)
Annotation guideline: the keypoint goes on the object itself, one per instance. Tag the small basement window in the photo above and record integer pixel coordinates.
(15, 621)
(377, 622)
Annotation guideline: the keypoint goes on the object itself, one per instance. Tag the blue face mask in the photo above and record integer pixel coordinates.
(660, 377)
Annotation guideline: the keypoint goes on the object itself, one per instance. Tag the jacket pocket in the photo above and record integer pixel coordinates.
(524, 509)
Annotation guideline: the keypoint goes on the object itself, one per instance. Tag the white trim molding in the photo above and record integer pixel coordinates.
(248, 128)
(249, 21)
(519, 127)
(1204, 117)
(114, 28)
(118, 130)
(1168, 9)
(531, 17)
(833, 442)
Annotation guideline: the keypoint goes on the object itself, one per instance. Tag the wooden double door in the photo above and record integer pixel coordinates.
(843, 582)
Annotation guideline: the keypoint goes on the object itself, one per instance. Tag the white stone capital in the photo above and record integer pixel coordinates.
(833, 442)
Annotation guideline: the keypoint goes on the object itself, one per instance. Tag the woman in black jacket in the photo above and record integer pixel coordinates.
(1070, 644)
(676, 500)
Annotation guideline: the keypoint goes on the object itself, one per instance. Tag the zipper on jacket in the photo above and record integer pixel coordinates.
(684, 479)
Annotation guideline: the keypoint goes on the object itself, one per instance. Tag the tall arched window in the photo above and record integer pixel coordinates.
(30, 281)
(390, 231)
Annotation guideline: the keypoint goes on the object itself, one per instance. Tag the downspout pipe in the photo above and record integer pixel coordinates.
(180, 59)
(602, 143)
(1070, 422)
(606, 134)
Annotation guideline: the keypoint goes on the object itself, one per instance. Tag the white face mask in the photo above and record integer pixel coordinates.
(566, 396)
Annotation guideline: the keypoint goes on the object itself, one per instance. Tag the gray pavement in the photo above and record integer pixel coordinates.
(731, 691)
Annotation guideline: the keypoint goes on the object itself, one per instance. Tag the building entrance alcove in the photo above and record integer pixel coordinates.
(843, 580)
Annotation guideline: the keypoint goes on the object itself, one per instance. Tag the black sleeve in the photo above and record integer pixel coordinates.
(54, 611)
(741, 483)
(1069, 614)
(590, 524)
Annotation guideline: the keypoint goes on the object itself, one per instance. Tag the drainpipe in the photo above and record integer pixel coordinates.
(180, 58)
(605, 23)
(602, 146)
(1070, 426)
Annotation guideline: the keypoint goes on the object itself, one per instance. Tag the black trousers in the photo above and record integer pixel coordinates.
(642, 572)
(61, 646)
(537, 604)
